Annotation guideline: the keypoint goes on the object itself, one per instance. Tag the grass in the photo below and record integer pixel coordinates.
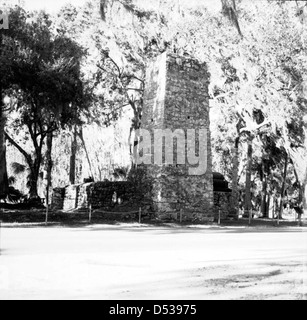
(82, 219)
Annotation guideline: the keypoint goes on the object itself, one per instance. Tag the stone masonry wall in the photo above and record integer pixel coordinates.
(222, 201)
(57, 202)
(100, 195)
(176, 97)
(71, 198)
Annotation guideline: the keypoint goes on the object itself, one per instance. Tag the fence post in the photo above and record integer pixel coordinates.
(250, 216)
(90, 204)
(90, 214)
(47, 214)
(219, 222)
(300, 220)
(140, 215)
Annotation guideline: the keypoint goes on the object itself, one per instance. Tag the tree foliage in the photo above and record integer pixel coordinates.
(45, 82)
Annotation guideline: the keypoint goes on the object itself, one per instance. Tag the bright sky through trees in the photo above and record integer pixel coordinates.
(48, 5)
(54, 5)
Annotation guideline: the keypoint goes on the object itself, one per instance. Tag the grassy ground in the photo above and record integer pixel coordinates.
(74, 218)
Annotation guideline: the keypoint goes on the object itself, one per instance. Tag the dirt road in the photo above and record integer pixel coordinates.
(146, 262)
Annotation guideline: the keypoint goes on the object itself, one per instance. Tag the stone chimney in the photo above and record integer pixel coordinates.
(176, 104)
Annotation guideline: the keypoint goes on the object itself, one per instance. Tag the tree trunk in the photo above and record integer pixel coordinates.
(264, 193)
(300, 168)
(34, 166)
(3, 168)
(136, 125)
(49, 170)
(271, 197)
(235, 174)
(33, 181)
(229, 9)
(305, 198)
(35, 173)
(86, 152)
(248, 185)
(274, 207)
(283, 188)
(302, 191)
(73, 155)
(268, 206)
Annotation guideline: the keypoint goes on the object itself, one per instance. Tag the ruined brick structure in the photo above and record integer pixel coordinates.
(176, 97)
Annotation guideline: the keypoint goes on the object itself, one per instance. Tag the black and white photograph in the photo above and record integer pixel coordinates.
(153, 153)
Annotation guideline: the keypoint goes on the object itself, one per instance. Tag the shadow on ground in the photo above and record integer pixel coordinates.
(159, 229)
(36, 219)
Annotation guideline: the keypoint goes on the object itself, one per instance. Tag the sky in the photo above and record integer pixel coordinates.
(48, 5)
(55, 5)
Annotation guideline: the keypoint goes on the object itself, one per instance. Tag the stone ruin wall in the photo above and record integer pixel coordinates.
(99, 195)
(79, 197)
(222, 202)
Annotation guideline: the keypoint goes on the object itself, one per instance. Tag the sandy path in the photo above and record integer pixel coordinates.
(132, 262)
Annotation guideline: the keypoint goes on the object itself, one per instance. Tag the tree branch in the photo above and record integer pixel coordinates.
(224, 95)
(116, 66)
(105, 70)
(255, 128)
(19, 148)
(33, 135)
(121, 107)
(134, 89)
(132, 104)
(136, 78)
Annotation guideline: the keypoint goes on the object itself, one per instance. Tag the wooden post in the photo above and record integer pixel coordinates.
(90, 203)
(300, 219)
(90, 214)
(49, 165)
(219, 222)
(140, 215)
(47, 214)
(274, 207)
(250, 216)
(181, 214)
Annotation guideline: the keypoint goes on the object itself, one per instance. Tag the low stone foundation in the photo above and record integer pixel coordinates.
(71, 198)
(58, 197)
(123, 197)
(222, 203)
(101, 195)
